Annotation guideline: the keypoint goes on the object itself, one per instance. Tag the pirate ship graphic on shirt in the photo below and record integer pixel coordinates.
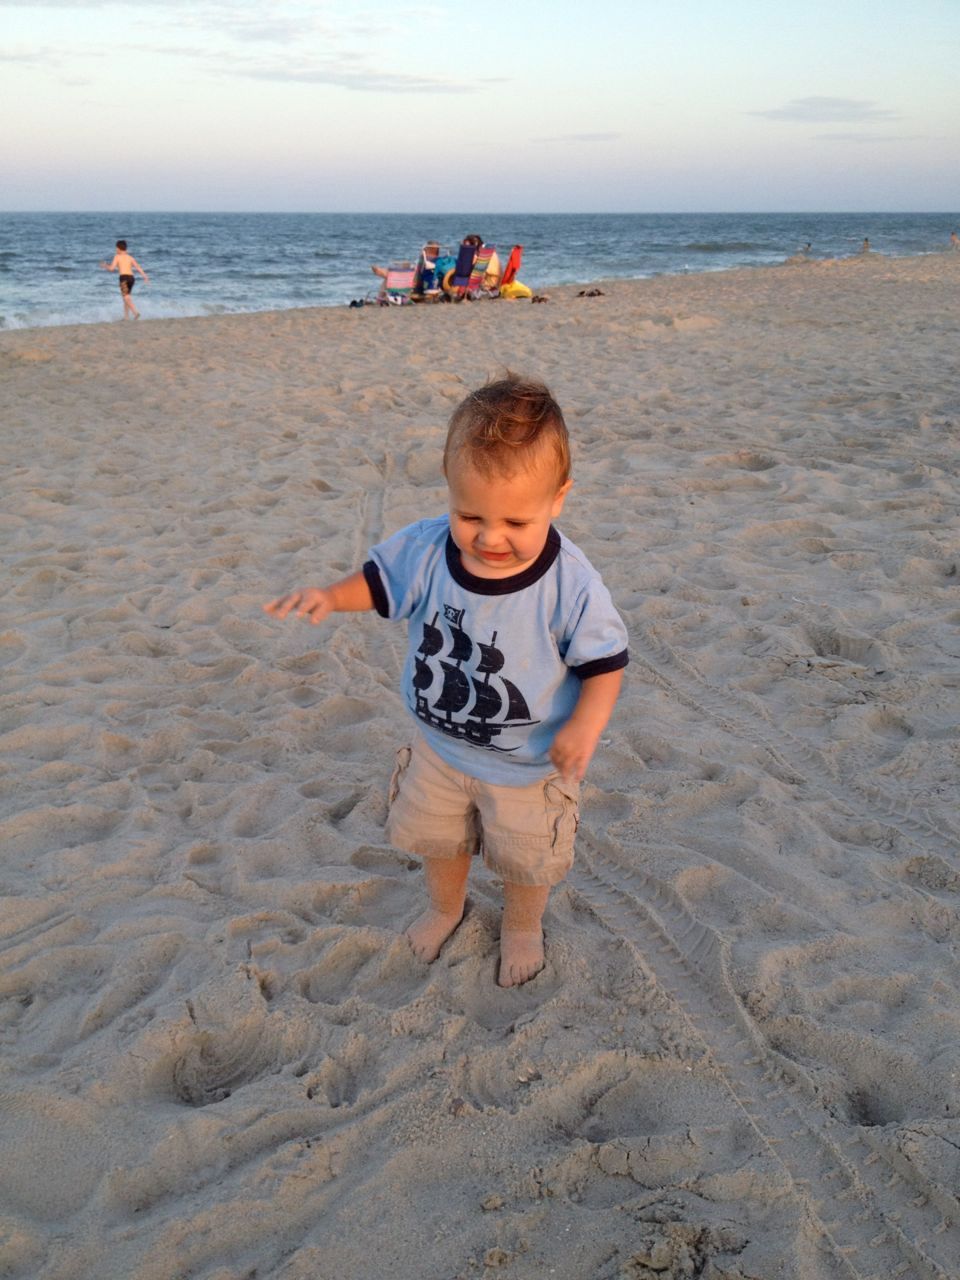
(459, 688)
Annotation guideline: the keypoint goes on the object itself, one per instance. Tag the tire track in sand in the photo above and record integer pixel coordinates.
(791, 754)
(370, 507)
(878, 1217)
(884, 1218)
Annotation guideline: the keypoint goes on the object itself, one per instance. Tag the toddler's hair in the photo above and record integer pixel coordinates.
(509, 425)
(122, 244)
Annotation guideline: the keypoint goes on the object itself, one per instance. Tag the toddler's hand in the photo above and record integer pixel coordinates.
(313, 603)
(571, 752)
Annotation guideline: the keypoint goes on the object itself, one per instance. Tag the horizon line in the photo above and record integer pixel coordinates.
(505, 213)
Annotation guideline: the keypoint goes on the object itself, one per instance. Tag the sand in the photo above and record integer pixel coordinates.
(220, 1059)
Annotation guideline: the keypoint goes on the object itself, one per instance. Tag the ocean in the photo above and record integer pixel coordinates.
(212, 263)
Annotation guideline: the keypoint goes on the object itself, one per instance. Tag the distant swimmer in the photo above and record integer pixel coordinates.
(126, 264)
(865, 247)
(805, 249)
(954, 240)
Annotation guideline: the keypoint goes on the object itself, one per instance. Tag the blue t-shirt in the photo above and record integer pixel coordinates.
(494, 665)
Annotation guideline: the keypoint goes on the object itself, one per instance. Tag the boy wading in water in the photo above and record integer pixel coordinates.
(126, 264)
(514, 663)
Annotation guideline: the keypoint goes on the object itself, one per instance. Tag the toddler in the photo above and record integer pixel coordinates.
(515, 660)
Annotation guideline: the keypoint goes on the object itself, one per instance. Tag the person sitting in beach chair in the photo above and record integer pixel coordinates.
(485, 276)
(426, 284)
(477, 270)
(492, 268)
(426, 276)
(458, 277)
(398, 281)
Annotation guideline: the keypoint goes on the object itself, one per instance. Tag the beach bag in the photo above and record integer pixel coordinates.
(515, 290)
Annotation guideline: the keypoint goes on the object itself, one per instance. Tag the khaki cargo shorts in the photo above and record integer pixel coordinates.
(526, 833)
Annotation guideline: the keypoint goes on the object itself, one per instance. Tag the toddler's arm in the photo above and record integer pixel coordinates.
(575, 742)
(136, 264)
(349, 595)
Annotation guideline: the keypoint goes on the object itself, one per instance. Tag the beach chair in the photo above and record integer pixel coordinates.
(513, 265)
(481, 264)
(510, 286)
(455, 282)
(398, 285)
(426, 286)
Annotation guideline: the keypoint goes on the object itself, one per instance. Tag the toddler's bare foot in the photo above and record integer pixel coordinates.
(430, 931)
(521, 956)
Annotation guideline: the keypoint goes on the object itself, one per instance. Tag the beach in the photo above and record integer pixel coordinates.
(220, 1059)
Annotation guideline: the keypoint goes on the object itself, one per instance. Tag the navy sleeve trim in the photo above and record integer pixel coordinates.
(600, 666)
(371, 572)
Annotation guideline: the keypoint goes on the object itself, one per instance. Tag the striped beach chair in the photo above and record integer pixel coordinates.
(481, 264)
(398, 286)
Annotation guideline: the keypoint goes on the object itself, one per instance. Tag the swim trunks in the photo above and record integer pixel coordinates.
(126, 285)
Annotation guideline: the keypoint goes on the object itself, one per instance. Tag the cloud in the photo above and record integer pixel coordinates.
(872, 137)
(582, 137)
(167, 50)
(827, 111)
(31, 57)
(36, 59)
(360, 79)
(275, 32)
(284, 24)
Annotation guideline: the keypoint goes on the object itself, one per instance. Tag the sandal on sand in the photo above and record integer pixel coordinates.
(539, 297)
(591, 293)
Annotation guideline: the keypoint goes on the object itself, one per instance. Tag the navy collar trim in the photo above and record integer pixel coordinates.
(503, 586)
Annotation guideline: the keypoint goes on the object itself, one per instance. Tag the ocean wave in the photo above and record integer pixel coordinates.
(53, 319)
(113, 315)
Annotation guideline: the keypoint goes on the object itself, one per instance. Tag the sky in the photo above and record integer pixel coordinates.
(495, 105)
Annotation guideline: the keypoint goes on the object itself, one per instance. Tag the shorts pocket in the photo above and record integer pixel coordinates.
(404, 755)
(563, 805)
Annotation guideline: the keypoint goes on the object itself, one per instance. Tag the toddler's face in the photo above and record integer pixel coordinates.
(500, 523)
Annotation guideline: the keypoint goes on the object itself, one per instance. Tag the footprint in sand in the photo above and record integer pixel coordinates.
(828, 642)
(371, 965)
